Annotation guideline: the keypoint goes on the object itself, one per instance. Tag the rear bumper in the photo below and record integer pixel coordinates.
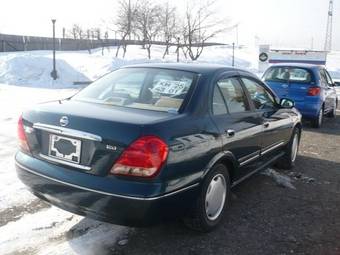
(106, 206)
(309, 110)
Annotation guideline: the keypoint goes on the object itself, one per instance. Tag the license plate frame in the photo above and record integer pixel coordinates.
(73, 157)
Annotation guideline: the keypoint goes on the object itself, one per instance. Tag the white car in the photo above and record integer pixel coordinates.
(335, 74)
(337, 87)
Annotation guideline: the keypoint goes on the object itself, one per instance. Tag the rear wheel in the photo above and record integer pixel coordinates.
(212, 202)
(288, 160)
(317, 122)
(332, 114)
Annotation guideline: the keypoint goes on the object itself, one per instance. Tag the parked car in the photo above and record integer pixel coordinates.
(156, 141)
(335, 75)
(309, 86)
(337, 87)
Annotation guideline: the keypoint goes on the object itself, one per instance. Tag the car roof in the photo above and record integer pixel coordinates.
(301, 65)
(201, 68)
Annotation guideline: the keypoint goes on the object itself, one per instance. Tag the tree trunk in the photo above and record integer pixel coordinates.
(124, 50)
(166, 52)
(117, 51)
(148, 48)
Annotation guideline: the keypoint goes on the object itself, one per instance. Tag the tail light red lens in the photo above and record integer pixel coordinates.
(313, 91)
(143, 158)
(22, 139)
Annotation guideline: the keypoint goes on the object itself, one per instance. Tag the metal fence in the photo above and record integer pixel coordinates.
(27, 43)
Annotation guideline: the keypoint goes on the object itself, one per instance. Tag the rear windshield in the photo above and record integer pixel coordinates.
(285, 74)
(141, 88)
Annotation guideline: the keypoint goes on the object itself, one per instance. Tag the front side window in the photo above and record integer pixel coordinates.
(260, 97)
(141, 88)
(233, 95)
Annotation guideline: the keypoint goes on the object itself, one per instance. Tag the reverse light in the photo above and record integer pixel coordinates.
(313, 91)
(143, 158)
(22, 139)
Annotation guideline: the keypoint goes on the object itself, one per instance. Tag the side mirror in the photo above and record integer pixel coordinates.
(287, 103)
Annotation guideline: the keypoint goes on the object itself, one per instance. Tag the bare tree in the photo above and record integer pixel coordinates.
(77, 32)
(200, 25)
(169, 26)
(125, 23)
(148, 22)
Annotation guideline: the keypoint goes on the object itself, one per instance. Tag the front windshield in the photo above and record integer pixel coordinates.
(142, 88)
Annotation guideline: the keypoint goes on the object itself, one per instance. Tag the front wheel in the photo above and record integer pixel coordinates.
(317, 122)
(212, 202)
(288, 160)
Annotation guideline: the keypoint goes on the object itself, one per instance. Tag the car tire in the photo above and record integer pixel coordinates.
(216, 190)
(317, 122)
(287, 161)
(332, 114)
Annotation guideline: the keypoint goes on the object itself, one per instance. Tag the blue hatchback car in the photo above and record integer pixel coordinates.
(309, 86)
(150, 142)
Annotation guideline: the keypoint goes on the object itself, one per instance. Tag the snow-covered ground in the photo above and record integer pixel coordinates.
(28, 226)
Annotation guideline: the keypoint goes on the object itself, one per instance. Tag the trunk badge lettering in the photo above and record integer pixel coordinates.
(111, 147)
(63, 121)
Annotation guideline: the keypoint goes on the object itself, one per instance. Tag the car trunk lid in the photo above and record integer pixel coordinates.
(94, 136)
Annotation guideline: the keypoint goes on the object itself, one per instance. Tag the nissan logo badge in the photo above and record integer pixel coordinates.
(63, 121)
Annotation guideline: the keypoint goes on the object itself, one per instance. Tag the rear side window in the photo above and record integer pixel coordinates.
(219, 107)
(287, 74)
(230, 92)
(326, 77)
(141, 88)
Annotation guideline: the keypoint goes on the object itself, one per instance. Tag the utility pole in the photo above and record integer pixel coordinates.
(328, 40)
(54, 74)
(233, 59)
(177, 50)
(236, 34)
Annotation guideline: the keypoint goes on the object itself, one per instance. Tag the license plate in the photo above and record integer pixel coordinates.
(64, 148)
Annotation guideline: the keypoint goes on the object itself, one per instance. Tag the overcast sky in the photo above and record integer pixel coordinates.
(282, 23)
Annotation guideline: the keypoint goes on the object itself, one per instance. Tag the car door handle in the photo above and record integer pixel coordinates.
(266, 124)
(230, 132)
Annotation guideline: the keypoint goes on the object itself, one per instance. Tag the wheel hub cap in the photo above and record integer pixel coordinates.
(295, 147)
(215, 197)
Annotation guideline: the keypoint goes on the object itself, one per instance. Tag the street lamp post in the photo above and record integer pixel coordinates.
(54, 74)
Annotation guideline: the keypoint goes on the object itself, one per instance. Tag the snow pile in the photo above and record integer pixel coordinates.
(33, 68)
(13, 100)
(30, 70)
(280, 179)
(54, 231)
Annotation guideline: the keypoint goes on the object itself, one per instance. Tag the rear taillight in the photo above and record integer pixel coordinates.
(22, 139)
(313, 91)
(143, 158)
